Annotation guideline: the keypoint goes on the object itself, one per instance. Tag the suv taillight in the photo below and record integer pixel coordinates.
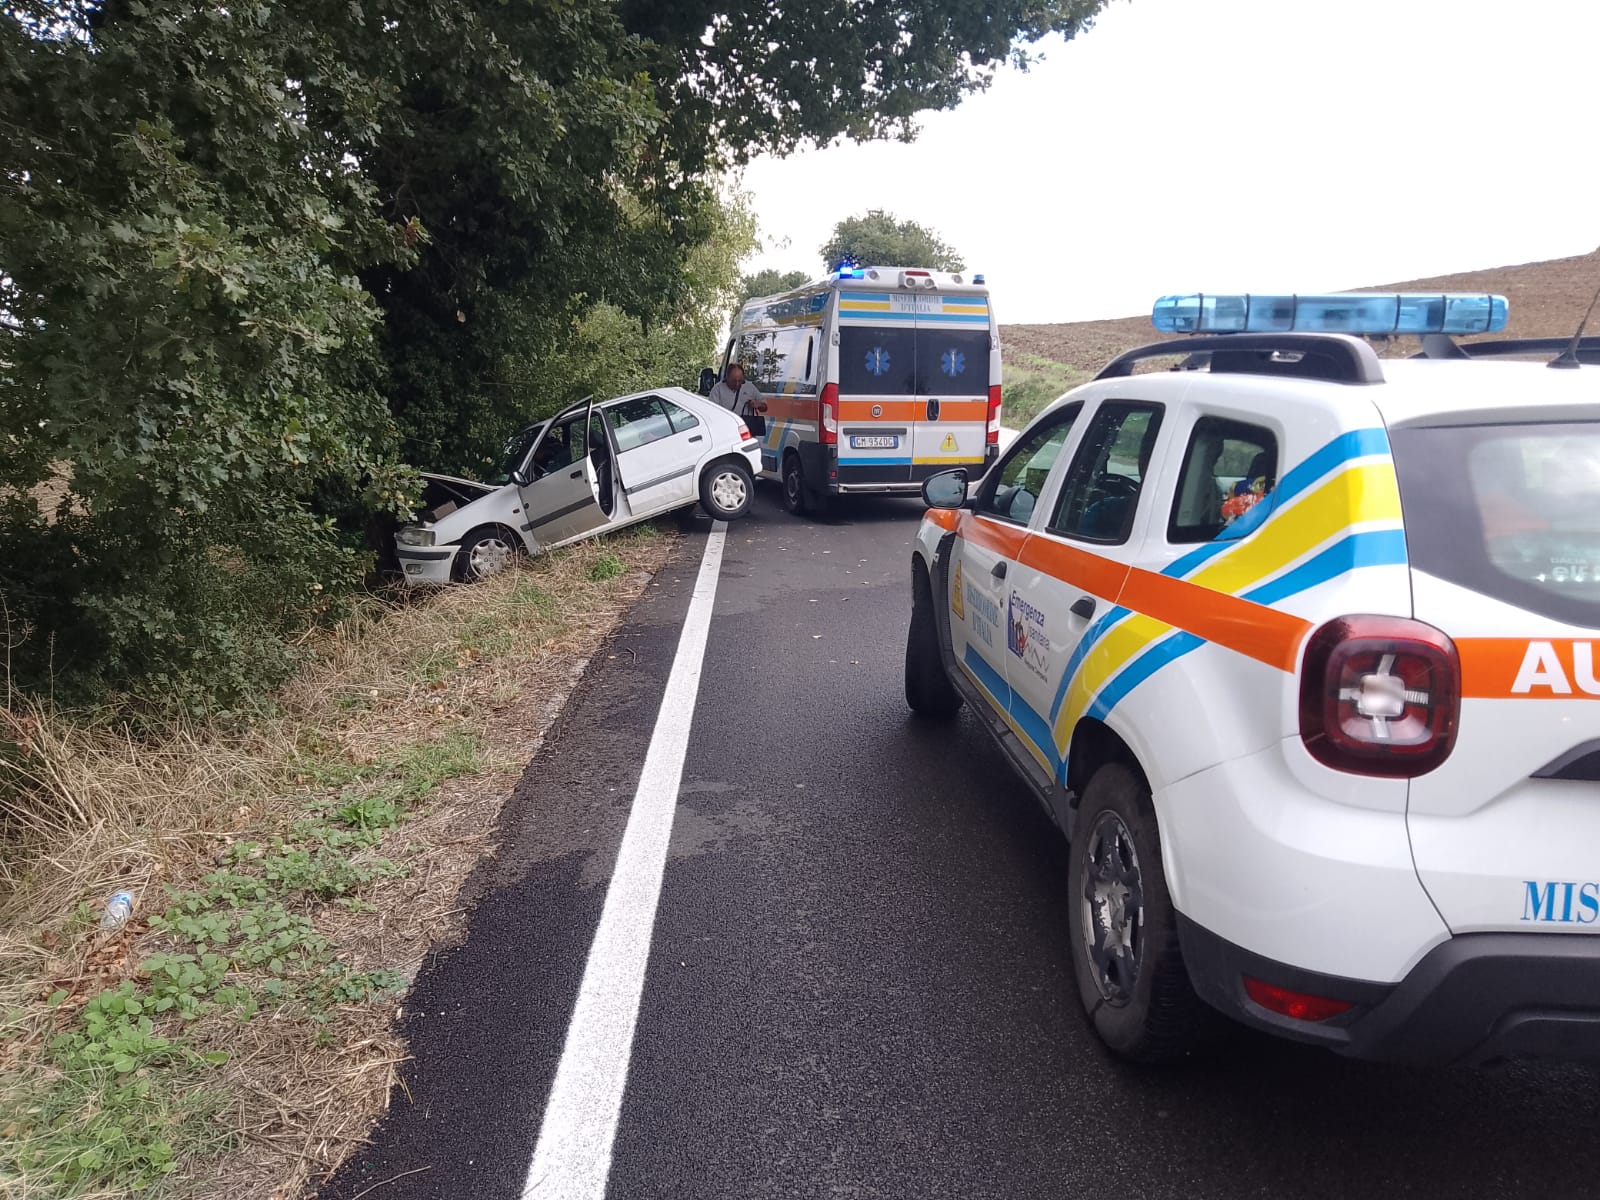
(828, 415)
(994, 415)
(1380, 696)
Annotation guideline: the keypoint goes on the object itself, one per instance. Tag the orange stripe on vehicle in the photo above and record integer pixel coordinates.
(945, 518)
(1528, 669)
(1265, 634)
(893, 410)
(1104, 577)
(1004, 540)
(1255, 630)
(974, 411)
(802, 407)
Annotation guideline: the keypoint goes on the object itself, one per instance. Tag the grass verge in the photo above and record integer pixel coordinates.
(234, 1039)
(1032, 382)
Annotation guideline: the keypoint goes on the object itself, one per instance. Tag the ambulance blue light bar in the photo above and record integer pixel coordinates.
(1366, 313)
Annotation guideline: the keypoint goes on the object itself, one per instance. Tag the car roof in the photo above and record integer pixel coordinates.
(1429, 392)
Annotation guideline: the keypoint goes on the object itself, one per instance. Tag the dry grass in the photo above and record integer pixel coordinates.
(92, 810)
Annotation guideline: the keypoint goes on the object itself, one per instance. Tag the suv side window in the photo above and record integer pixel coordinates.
(1014, 488)
(1101, 492)
(1228, 467)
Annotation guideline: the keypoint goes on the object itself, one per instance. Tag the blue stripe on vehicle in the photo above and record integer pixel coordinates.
(993, 682)
(865, 317)
(1375, 548)
(1033, 726)
(873, 462)
(1140, 669)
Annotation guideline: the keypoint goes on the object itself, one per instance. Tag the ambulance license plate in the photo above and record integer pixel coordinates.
(884, 442)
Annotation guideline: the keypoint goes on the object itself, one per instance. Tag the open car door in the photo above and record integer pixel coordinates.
(566, 486)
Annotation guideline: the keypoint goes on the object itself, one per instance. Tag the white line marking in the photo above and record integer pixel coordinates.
(572, 1159)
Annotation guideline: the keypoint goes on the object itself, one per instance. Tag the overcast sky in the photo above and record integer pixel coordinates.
(1239, 145)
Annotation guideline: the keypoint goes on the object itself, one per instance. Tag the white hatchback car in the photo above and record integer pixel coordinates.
(590, 469)
(1298, 647)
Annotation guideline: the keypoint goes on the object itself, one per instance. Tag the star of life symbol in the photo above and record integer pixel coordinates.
(952, 363)
(878, 360)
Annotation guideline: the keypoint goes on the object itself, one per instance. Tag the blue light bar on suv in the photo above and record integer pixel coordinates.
(1366, 313)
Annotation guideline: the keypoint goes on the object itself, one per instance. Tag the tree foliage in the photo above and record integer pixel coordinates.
(737, 79)
(769, 281)
(882, 239)
(256, 257)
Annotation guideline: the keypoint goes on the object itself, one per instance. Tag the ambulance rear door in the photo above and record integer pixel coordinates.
(957, 357)
(878, 406)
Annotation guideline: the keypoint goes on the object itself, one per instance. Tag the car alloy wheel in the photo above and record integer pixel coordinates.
(1112, 908)
(729, 492)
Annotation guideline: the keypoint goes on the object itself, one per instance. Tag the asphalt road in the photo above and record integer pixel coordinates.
(857, 984)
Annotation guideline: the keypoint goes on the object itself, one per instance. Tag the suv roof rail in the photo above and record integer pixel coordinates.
(1336, 357)
(1442, 345)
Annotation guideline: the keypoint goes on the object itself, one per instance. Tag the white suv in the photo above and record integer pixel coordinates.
(1298, 646)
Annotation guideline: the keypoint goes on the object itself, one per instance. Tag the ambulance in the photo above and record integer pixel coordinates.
(874, 378)
(1298, 647)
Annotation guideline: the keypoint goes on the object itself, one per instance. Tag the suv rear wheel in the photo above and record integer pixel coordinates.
(1125, 953)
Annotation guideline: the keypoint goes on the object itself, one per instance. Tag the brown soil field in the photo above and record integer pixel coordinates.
(1547, 300)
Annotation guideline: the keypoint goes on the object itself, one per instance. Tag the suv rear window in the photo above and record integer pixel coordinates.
(1511, 511)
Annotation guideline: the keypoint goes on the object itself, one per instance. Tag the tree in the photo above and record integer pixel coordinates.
(881, 239)
(769, 281)
(735, 80)
(189, 370)
(255, 257)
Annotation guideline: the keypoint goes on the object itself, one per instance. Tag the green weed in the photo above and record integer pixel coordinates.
(607, 566)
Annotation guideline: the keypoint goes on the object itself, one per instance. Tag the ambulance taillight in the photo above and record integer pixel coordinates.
(828, 415)
(993, 437)
(1380, 696)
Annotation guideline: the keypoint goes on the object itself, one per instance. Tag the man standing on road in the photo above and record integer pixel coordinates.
(736, 395)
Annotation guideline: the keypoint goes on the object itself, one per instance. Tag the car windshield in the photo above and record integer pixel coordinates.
(516, 451)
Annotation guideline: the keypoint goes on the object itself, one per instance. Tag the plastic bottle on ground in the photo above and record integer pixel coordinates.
(118, 909)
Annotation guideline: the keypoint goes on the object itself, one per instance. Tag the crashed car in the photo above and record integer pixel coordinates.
(592, 468)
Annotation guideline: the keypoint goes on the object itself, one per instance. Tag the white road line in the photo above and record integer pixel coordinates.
(573, 1156)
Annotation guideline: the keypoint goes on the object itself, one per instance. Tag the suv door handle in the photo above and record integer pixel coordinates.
(578, 474)
(999, 569)
(1084, 607)
(697, 438)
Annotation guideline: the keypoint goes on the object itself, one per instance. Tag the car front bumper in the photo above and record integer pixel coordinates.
(426, 566)
(1474, 998)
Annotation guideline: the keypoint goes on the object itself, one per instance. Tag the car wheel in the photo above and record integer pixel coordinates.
(726, 489)
(929, 691)
(1125, 952)
(794, 484)
(486, 552)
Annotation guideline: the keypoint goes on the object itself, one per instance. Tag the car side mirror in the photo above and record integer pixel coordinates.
(947, 489)
(520, 477)
(708, 380)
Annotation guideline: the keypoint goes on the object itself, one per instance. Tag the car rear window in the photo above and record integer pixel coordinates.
(1511, 511)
